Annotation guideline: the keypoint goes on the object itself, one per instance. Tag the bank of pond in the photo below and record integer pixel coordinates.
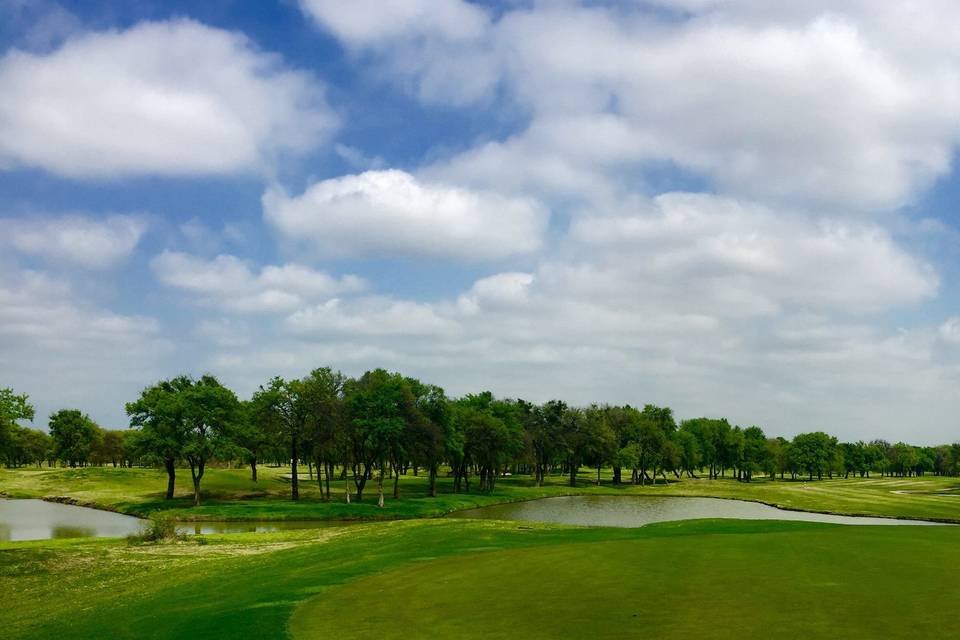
(40, 520)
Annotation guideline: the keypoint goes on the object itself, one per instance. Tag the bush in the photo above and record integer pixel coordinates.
(156, 529)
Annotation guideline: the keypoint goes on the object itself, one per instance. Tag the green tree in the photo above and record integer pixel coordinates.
(13, 407)
(813, 452)
(108, 447)
(431, 430)
(211, 415)
(160, 420)
(378, 405)
(73, 434)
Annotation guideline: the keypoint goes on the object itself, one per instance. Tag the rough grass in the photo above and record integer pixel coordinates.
(229, 494)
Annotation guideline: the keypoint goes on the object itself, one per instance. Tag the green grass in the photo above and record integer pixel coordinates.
(229, 494)
(466, 579)
(726, 583)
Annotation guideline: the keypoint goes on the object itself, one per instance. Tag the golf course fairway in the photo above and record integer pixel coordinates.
(705, 580)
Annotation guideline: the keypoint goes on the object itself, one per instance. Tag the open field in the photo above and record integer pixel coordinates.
(490, 579)
(441, 578)
(229, 494)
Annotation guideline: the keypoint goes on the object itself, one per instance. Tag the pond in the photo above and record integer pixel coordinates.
(40, 520)
(637, 511)
(36, 520)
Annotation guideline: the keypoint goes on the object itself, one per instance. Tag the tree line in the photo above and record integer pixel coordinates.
(381, 425)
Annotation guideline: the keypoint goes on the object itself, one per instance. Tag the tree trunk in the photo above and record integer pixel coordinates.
(253, 468)
(171, 476)
(433, 480)
(360, 481)
(327, 472)
(196, 472)
(573, 475)
(616, 475)
(380, 487)
(294, 477)
(396, 482)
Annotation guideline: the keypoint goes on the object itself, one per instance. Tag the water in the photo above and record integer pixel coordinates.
(37, 520)
(256, 526)
(40, 520)
(637, 511)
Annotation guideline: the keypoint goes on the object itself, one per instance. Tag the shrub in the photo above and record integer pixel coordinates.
(156, 529)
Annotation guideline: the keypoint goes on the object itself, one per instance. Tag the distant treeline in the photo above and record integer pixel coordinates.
(386, 425)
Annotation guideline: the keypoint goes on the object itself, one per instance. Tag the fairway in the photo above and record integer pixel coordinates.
(489, 579)
(851, 582)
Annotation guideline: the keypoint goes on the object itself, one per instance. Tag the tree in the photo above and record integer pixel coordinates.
(73, 434)
(13, 407)
(108, 447)
(431, 430)
(294, 411)
(600, 440)
(755, 452)
(159, 417)
(623, 423)
(325, 396)
(30, 446)
(543, 426)
(492, 434)
(813, 452)
(211, 414)
(256, 430)
(689, 449)
(377, 405)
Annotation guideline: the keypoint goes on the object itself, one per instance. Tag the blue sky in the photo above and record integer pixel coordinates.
(730, 207)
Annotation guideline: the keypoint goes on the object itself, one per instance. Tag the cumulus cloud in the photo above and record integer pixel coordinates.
(950, 330)
(372, 22)
(167, 98)
(841, 104)
(735, 258)
(374, 316)
(84, 241)
(228, 282)
(393, 213)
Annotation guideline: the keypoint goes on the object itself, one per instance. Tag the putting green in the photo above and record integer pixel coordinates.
(821, 581)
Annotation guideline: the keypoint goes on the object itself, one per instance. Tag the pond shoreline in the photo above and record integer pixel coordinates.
(499, 512)
(444, 513)
(237, 525)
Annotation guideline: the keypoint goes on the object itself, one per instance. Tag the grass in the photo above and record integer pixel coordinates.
(466, 579)
(469, 578)
(229, 494)
(810, 582)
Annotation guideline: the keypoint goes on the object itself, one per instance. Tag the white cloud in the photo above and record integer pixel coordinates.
(372, 22)
(375, 316)
(224, 332)
(735, 258)
(446, 44)
(65, 351)
(168, 98)
(849, 105)
(228, 282)
(93, 243)
(392, 213)
(950, 330)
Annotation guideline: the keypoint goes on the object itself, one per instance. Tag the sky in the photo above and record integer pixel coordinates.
(731, 207)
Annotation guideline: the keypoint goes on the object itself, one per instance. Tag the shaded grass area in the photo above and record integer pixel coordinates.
(229, 494)
(805, 582)
(463, 578)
